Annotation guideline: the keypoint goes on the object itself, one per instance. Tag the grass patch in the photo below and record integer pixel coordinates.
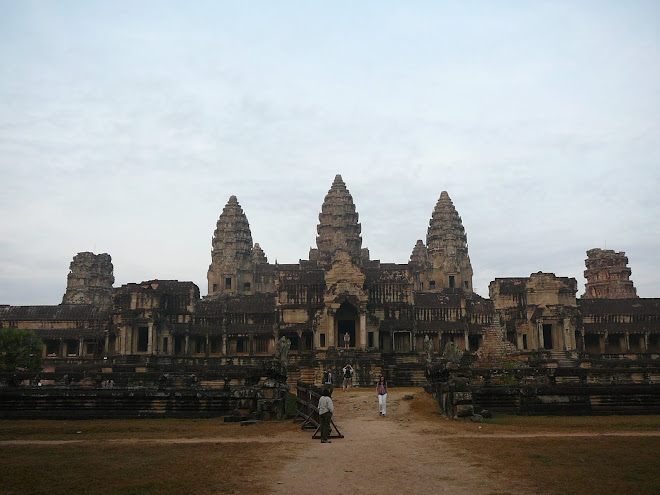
(589, 466)
(94, 429)
(132, 469)
(577, 423)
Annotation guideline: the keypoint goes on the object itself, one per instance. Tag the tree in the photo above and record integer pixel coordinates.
(19, 349)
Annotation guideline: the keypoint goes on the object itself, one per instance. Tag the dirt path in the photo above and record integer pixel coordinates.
(395, 454)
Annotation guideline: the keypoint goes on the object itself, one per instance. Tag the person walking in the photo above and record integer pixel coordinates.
(326, 409)
(348, 376)
(381, 389)
(327, 377)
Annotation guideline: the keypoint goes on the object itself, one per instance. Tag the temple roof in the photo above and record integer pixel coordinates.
(619, 306)
(61, 312)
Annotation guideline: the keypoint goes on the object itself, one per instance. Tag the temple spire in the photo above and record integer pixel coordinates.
(232, 238)
(232, 252)
(338, 227)
(446, 241)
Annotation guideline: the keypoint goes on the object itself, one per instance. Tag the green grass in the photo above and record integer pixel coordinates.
(576, 423)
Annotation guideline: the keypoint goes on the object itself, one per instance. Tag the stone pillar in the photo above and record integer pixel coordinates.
(603, 343)
(224, 344)
(363, 330)
(301, 342)
(376, 339)
(106, 345)
(627, 341)
(569, 340)
(60, 351)
(80, 347)
(467, 341)
(539, 331)
(186, 347)
(412, 341)
(208, 345)
(150, 338)
(646, 342)
(251, 344)
(331, 330)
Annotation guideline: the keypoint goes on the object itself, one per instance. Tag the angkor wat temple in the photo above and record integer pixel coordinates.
(387, 310)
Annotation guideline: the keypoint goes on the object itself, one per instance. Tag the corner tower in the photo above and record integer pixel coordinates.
(90, 280)
(338, 227)
(608, 275)
(446, 242)
(232, 256)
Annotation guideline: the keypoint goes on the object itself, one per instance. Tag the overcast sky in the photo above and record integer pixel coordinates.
(126, 126)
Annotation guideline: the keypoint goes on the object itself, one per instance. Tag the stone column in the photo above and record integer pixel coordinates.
(539, 330)
(646, 342)
(412, 341)
(208, 345)
(224, 344)
(363, 330)
(467, 341)
(186, 347)
(60, 351)
(627, 341)
(251, 344)
(377, 339)
(106, 345)
(301, 342)
(80, 347)
(569, 337)
(603, 343)
(150, 338)
(331, 330)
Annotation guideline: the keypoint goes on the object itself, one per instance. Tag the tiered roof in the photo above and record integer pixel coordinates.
(338, 227)
(232, 238)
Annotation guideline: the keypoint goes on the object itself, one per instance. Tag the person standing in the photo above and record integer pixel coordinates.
(381, 389)
(327, 377)
(348, 376)
(347, 340)
(326, 409)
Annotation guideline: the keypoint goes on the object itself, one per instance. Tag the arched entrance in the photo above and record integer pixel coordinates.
(347, 322)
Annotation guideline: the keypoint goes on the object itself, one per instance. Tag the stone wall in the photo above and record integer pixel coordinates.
(593, 387)
(75, 393)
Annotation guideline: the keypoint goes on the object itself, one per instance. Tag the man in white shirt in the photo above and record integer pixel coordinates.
(325, 415)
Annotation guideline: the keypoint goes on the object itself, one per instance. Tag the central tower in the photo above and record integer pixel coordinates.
(338, 228)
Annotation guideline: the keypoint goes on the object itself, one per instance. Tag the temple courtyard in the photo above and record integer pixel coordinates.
(414, 449)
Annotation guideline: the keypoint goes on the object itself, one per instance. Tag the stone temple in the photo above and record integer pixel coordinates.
(398, 317)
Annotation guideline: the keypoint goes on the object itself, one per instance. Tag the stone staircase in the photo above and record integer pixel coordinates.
(404, 370)
(563, 358)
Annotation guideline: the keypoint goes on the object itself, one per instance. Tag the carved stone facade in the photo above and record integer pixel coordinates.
(90, 280)
(608, 275)
(398, 314)
(538, 312)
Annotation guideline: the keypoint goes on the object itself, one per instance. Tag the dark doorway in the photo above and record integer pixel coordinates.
(474, 341)
(592, 343)
(143, 339)
(547, 336)
(385, 341)
(346, 317)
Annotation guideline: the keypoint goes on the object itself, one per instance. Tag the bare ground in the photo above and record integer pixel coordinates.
(401, 453)
(411, 450)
